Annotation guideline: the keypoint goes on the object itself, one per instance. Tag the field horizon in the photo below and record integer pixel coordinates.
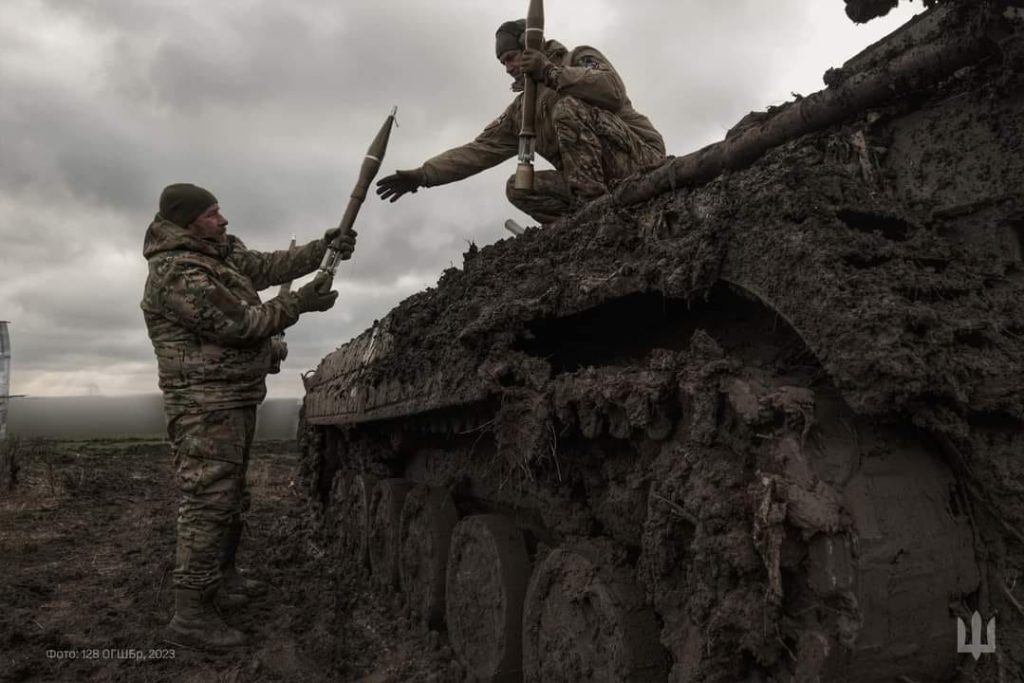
(125, 416)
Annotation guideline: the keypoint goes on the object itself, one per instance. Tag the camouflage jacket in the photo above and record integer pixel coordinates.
(585, 75)
(210, 332)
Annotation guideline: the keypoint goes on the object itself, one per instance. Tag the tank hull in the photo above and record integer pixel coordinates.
(770, 422)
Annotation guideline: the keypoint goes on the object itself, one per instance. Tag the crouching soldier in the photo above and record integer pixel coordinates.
(212, 338)
(586, 128)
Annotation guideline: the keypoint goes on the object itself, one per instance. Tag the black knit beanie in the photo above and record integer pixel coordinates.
(182, 203)
(508, 37)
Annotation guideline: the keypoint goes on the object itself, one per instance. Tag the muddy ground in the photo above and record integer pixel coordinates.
(86, 554)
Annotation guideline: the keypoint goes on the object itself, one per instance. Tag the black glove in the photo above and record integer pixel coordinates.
(533, 63)
(316, 295)
(395, 185)
(346, 244)
(278, 352)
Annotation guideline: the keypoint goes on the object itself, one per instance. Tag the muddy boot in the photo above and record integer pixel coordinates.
(196, 623)
(235, 583)
(230, 599)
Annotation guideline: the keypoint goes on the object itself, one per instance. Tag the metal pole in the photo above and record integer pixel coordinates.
(5, 377)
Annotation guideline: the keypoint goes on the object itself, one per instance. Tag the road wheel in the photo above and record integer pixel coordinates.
(382, 535)
(352, 516)
(488, 570)
(428, 518)
(586, 621)
(336, 509)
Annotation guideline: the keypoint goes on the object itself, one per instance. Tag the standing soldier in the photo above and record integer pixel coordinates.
(586, 128)
(212, 338)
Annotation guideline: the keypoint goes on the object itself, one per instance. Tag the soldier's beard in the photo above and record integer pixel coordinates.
(517, 83)
(220, 239)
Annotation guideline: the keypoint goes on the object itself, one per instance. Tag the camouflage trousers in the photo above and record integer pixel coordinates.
(211, 456)
(597, 150)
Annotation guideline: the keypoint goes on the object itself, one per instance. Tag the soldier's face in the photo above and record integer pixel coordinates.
(210, 225)
(510, 60)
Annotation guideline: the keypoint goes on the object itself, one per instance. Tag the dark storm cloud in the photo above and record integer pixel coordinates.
(271, 106)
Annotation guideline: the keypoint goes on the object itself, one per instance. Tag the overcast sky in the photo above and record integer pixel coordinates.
(271, 106)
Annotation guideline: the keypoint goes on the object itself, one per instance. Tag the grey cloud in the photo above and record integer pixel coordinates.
(276, 52)
(69, 349)
(84, 307)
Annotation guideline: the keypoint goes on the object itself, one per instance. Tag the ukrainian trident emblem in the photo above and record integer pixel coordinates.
(976, 647)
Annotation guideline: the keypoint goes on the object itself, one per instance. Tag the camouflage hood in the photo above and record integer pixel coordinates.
(163, 235)
(555, 51)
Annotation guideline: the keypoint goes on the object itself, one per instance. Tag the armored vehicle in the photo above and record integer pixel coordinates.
(754, 415)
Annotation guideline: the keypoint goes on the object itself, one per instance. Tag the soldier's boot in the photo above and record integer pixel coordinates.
(234, 583)
(197, 624)
(230, 599)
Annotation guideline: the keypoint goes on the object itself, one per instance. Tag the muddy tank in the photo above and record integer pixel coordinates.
(756, 415)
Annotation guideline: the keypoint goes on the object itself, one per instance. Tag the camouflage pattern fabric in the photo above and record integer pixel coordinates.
(211, 458)
(596, 147)
(586, 128)
(549, 200)
(210, 332)
(212, 338)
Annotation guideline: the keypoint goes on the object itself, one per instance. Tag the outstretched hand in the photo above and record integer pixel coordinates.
(401, 182)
